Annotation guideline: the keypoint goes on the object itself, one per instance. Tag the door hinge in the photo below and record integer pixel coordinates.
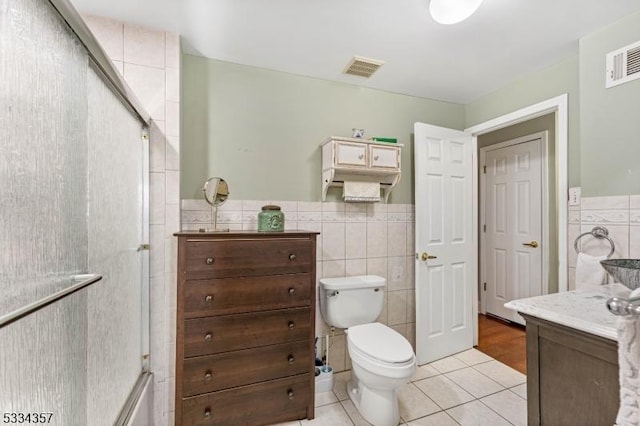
(484, 228)
(144, 247)
(485, 286)
(484, 168)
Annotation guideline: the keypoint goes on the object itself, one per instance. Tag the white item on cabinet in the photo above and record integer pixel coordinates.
(358, 160)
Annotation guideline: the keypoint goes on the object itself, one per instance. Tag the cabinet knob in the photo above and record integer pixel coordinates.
(208, 298)
(376, 157)
(292, 291)
(290, 358)
(292, 256)
(209, 260)
(207, 413)
(291, 325)
(207, 376)
(360, 157)
(208, 336)
(290, 393)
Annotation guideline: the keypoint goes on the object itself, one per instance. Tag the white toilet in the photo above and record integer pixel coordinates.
(382, 359)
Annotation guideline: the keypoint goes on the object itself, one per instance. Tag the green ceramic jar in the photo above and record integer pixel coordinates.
(271, 219)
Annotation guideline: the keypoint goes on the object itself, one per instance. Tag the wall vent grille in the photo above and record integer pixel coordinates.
(623, 65)
(362, 67)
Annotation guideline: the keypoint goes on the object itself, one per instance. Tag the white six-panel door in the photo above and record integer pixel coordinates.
(446, 261)
(513, 217)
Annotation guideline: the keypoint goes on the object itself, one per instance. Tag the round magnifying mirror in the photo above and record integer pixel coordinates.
(216, 191)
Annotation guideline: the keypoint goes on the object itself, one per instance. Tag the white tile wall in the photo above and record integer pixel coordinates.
(355, 239)
(149, 61)
(619, 214)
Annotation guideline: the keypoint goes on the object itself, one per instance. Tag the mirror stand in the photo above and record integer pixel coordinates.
(216, 192)
(214, 221)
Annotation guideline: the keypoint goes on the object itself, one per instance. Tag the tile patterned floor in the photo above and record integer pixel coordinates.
(469, 389)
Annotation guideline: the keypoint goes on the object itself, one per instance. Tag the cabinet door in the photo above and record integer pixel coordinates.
(387, 157)
(351, 154)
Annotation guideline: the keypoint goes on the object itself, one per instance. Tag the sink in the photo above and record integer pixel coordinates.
(624, 271)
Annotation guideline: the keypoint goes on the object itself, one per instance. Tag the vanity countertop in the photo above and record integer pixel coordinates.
(583, 309)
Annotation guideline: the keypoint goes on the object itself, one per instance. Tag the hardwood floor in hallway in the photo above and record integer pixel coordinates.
(503, 341)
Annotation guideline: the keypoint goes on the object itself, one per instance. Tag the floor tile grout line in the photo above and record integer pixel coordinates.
(507, 420)
(441, 409)
(446, 410)
(479, 372)
(467, 402)
(508, 387)
(347, 412)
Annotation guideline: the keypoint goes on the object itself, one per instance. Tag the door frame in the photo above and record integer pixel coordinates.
(559, 106)
(544, 207)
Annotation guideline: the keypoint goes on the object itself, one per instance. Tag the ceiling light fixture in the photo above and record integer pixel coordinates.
(452, 11)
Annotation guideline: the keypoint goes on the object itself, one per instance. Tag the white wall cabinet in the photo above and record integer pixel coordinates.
(384, 157)
(351, 154)
(351, 159)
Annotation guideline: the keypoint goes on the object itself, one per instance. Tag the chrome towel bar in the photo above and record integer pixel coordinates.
(599, 232)
(77, 282)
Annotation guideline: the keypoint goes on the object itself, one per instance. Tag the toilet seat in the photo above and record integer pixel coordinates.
(380, 344)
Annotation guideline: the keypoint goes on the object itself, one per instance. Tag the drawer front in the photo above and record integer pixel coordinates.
(223, 296)
(261, 404)
(205, 336)
(239, 368)
(385, 157)
(237, 258)
(351, 154)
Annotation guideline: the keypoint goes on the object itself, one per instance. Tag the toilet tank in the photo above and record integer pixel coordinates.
(349, 301)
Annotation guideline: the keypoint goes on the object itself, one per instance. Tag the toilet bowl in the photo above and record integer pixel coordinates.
(381, 358)
(382, 361)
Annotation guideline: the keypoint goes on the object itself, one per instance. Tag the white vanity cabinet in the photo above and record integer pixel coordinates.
(351, 159)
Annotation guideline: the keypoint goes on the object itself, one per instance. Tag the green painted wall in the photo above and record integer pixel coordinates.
(261, 129)
(609, 118)
(549, 83)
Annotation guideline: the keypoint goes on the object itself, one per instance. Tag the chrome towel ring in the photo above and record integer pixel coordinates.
(597, 232)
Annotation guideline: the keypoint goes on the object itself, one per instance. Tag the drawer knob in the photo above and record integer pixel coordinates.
(207, 376)
(292, 256)
(209, 260)
(208, 336)
(291, 325)
(291, 359)
(207, 413)
(290, 393)
(208, 298)
(292, 291)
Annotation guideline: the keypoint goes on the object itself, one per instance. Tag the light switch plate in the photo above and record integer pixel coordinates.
(574, 196)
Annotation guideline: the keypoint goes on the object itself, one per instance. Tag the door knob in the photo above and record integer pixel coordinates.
(533, 244)
(425, 256)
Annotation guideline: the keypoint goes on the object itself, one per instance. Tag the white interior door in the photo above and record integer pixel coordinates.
(446, 261)
(513, 218)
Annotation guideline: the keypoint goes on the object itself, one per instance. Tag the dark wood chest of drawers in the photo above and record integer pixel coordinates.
(245, 328)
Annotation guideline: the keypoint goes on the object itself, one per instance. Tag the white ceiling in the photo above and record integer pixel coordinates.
(503, 41)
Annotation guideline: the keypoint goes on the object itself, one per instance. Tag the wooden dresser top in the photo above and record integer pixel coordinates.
(245, 234)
